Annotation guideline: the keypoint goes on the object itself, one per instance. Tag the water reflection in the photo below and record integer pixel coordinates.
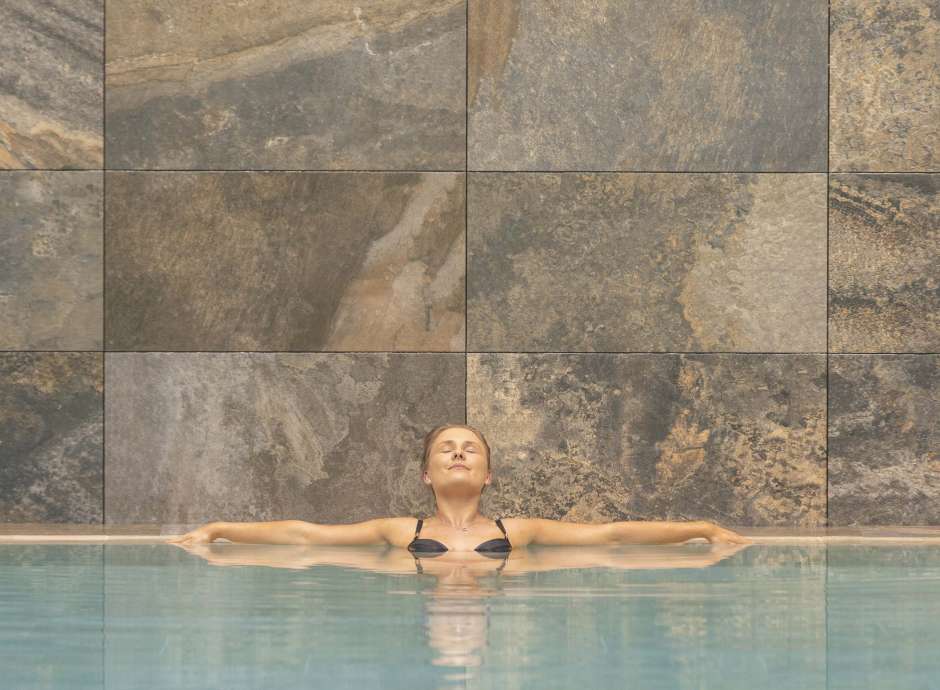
(457, 604)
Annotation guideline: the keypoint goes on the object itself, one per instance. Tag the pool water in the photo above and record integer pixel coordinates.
(689, 616)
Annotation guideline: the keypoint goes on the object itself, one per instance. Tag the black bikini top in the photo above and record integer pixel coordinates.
(434, 547)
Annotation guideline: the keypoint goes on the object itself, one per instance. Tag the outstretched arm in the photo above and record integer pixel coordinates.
(666, 532)
(289, 532)
(559, 533)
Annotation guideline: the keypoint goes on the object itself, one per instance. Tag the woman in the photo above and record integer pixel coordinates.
(456, 466)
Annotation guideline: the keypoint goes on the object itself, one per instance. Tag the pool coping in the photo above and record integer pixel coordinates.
(45, 533)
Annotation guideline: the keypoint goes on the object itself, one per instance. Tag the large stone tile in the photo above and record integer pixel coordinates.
(51, 436)
(738, 439)
(884, 442)
(637, 85)
(282, 84)
(884, 263)
(330, 438)
(51, 84)
(50, 260)
(647, 262)
(285, 261)
(884, 76)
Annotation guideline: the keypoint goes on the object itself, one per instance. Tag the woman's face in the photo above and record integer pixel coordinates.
(458, 459)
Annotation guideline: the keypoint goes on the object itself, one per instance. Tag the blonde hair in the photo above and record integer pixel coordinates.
(436, 431)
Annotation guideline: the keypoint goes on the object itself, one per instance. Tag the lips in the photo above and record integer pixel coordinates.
(459, 466)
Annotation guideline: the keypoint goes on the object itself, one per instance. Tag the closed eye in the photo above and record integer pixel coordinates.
(469, 445)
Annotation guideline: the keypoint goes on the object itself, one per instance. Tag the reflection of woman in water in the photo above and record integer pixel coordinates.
(456, 466)
(457, 608)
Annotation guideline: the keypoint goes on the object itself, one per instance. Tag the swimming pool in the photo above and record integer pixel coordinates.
(690, 616)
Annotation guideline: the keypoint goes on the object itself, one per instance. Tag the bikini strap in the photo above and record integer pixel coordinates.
(499, 523)
(417, 532)
(503, 564)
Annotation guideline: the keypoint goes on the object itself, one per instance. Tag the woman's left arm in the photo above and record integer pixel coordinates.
(559, 533)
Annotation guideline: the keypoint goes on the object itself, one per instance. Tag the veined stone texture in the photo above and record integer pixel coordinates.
(884, 441)
(50, 260)
(51, 437)
(334, 438)
(293, 261)
(884, 73)
(286, 84)
(51, 84)
(737, 439)
(643, 300)
(637, 85)
(884, 263)
(647, 262)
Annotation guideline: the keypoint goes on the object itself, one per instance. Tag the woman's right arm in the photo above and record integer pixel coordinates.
(290, 532)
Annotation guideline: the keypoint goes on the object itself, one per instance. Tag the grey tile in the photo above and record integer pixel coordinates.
(280, 84)
(737, 439)
(636, 85)
(884, 85)
(335, 438)
(884, 443)
(51, 94)
(285, 261)
(50, 260)
(884, 263)
(647, 262)
(51, 436)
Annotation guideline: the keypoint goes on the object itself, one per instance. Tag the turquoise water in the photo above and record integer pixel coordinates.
(691, 616)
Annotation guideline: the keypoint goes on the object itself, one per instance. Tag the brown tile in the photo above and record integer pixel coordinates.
(336, 438)
(285, 261)
(281, 84)
(647, 262)
(51, 436)
(737, 439)
(635, 85)
(51, 92)
(884, 77)
(884, 263)
(50, 260)
(884, 443)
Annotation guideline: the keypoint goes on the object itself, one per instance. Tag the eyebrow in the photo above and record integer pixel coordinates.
(451, 441)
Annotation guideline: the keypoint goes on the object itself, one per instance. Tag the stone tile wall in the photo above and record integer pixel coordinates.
(678, 260)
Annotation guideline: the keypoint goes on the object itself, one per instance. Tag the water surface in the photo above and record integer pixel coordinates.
(691, 616)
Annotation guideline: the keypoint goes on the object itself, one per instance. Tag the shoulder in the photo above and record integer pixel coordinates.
(524, 531)
(521, 531)
(398, 530)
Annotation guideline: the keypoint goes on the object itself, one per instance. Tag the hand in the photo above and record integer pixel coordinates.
(203, 550)
(719, 535)
(200, 535)
(720, 551)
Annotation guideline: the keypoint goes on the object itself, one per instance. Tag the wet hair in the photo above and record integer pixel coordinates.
(436, 431)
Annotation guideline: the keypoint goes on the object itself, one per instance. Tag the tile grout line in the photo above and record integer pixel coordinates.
(404, 171)
(104, 256)
(828, 167)
(466, 215)
(497, 352)
(104, 330)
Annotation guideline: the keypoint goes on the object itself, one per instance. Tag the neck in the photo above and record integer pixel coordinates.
(458, 511)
